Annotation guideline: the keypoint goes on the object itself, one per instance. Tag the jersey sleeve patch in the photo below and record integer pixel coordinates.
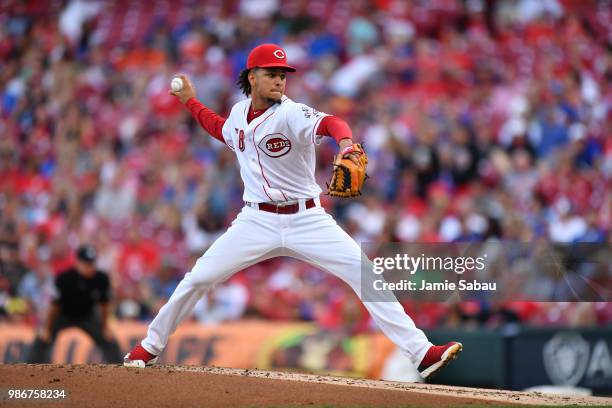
(309, 112)
(303, 121)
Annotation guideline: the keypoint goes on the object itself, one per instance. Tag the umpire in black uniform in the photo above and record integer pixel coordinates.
(78, 291)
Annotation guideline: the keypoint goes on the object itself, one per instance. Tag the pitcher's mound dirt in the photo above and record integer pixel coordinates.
(170, 386)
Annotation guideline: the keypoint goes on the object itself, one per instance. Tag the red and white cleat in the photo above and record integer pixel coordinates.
(139, 358)
(437, 357)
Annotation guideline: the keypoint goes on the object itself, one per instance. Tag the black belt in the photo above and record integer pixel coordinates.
(284, 209)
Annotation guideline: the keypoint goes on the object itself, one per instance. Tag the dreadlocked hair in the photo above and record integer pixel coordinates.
(243, 81)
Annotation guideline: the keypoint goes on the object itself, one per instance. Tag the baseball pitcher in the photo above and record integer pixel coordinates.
(274, 139)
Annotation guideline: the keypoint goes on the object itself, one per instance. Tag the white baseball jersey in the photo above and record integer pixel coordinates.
(276, 151)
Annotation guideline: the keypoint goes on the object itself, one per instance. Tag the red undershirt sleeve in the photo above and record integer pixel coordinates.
(208, 120)
(334, 127)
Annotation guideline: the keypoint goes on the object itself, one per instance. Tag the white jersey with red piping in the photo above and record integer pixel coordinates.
(276, 150)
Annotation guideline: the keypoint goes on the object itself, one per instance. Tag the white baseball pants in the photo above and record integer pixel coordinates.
(309, 235)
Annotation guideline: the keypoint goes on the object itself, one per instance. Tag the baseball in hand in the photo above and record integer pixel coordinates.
(176, 84)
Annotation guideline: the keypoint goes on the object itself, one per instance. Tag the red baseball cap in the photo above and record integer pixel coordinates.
(268, 56)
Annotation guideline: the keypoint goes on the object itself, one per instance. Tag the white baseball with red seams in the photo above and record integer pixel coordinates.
(176, 84)
(276, 153)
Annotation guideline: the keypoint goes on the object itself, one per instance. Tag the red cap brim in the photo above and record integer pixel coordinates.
(275, 65)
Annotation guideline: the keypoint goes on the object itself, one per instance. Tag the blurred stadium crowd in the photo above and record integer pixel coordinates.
(483, 120)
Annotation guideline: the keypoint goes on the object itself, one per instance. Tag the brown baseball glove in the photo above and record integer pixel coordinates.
(349, 172)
